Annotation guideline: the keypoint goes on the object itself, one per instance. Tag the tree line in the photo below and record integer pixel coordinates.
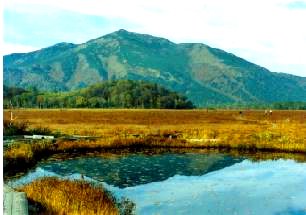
(286, 105)
(107, 94)
(121, 94)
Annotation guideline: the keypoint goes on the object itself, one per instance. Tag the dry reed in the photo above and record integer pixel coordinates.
(58, 196)
(283, 130)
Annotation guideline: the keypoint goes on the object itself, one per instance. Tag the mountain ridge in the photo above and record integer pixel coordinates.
(204, 74)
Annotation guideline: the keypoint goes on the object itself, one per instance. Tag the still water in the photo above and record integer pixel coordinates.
(190, 183)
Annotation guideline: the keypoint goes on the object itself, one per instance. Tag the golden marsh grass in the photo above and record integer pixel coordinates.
(283, 130)
(58, 196)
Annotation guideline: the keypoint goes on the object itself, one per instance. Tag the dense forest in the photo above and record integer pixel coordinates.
(107, 94)
(121, 94)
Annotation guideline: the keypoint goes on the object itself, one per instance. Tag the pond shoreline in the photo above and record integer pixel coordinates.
(15, 162)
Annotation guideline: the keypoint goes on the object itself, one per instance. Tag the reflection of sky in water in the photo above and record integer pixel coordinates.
(135, 169)
(265, 188)
(269, 187)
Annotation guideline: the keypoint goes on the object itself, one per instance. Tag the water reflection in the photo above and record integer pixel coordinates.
(136, 169)
(191, 183)
(266, 188)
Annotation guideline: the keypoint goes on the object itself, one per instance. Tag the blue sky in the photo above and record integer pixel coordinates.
(269, 33)
(33, 30)
(297, 5)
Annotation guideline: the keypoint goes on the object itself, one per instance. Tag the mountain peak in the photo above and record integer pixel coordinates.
(123, 34)
(206, 75)
(122, 31)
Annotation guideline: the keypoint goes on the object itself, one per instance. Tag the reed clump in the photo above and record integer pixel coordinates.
(22, 156)
(13, 128)
(16, 128)
(59, 196)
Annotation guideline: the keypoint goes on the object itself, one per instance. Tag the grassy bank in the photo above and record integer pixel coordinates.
(57, 196)
(21, 157)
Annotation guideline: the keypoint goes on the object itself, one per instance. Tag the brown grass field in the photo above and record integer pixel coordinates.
(283, 130)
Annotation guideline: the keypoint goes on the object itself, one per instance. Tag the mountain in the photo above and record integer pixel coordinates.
(205, 75)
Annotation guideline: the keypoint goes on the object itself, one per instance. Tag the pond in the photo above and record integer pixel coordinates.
(189, 183)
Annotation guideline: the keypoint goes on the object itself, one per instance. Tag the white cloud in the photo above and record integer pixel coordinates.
(8, 48)
(270, 33)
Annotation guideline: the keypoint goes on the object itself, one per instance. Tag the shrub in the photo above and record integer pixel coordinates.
(14, 128)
